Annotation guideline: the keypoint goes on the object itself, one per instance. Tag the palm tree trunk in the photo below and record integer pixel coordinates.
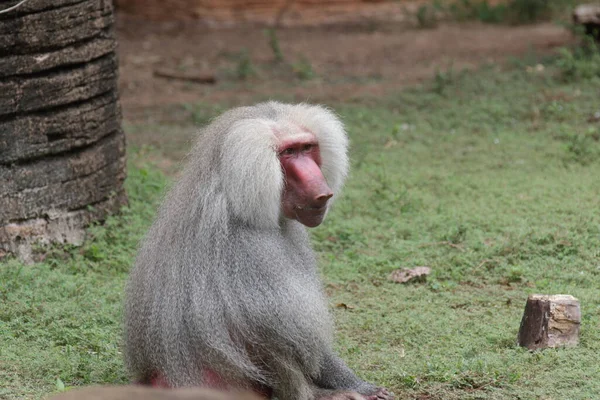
(62, 149)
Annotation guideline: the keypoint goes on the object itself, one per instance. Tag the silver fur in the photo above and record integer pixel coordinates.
(224, 281)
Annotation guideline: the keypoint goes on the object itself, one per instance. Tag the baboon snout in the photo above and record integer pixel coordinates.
(321, 199)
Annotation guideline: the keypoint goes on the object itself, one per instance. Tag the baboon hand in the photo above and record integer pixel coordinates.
(342, 396)
(381, 394)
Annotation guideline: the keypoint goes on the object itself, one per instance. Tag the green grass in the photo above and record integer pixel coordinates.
(494, 167)
(514, 12)
(492, 181)
(60, 319)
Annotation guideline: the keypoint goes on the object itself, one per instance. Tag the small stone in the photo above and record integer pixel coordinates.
(412, 274)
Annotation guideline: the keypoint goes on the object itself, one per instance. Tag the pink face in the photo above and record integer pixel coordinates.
(306, 193)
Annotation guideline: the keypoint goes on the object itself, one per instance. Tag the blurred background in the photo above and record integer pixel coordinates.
(225, 53)
(475, 152)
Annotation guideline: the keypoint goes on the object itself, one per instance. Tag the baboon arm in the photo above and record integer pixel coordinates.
(336, 375)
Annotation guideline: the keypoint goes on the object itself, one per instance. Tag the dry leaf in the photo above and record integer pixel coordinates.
(390, 143)
(344, 306)
(413, 274)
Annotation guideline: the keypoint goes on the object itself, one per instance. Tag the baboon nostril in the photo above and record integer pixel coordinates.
(323, 197)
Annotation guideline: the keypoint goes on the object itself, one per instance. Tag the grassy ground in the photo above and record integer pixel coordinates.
(489, 178)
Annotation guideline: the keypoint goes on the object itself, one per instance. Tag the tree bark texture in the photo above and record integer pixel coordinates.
(62, 149)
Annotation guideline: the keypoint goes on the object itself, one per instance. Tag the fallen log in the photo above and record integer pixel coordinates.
(186, 76)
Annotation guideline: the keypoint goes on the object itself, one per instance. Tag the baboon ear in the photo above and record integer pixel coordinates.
(252, 176)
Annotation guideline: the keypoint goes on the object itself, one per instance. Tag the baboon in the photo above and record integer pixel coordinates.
(225, 292)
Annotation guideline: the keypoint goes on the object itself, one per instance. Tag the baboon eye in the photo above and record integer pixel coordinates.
(287, 152)
(307, 147)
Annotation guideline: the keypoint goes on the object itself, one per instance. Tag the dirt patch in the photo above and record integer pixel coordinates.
(219, 13)
(348, 62)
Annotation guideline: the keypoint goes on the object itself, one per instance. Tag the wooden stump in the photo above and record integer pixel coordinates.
(588, 15)
(550, 321)
(62, 149)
